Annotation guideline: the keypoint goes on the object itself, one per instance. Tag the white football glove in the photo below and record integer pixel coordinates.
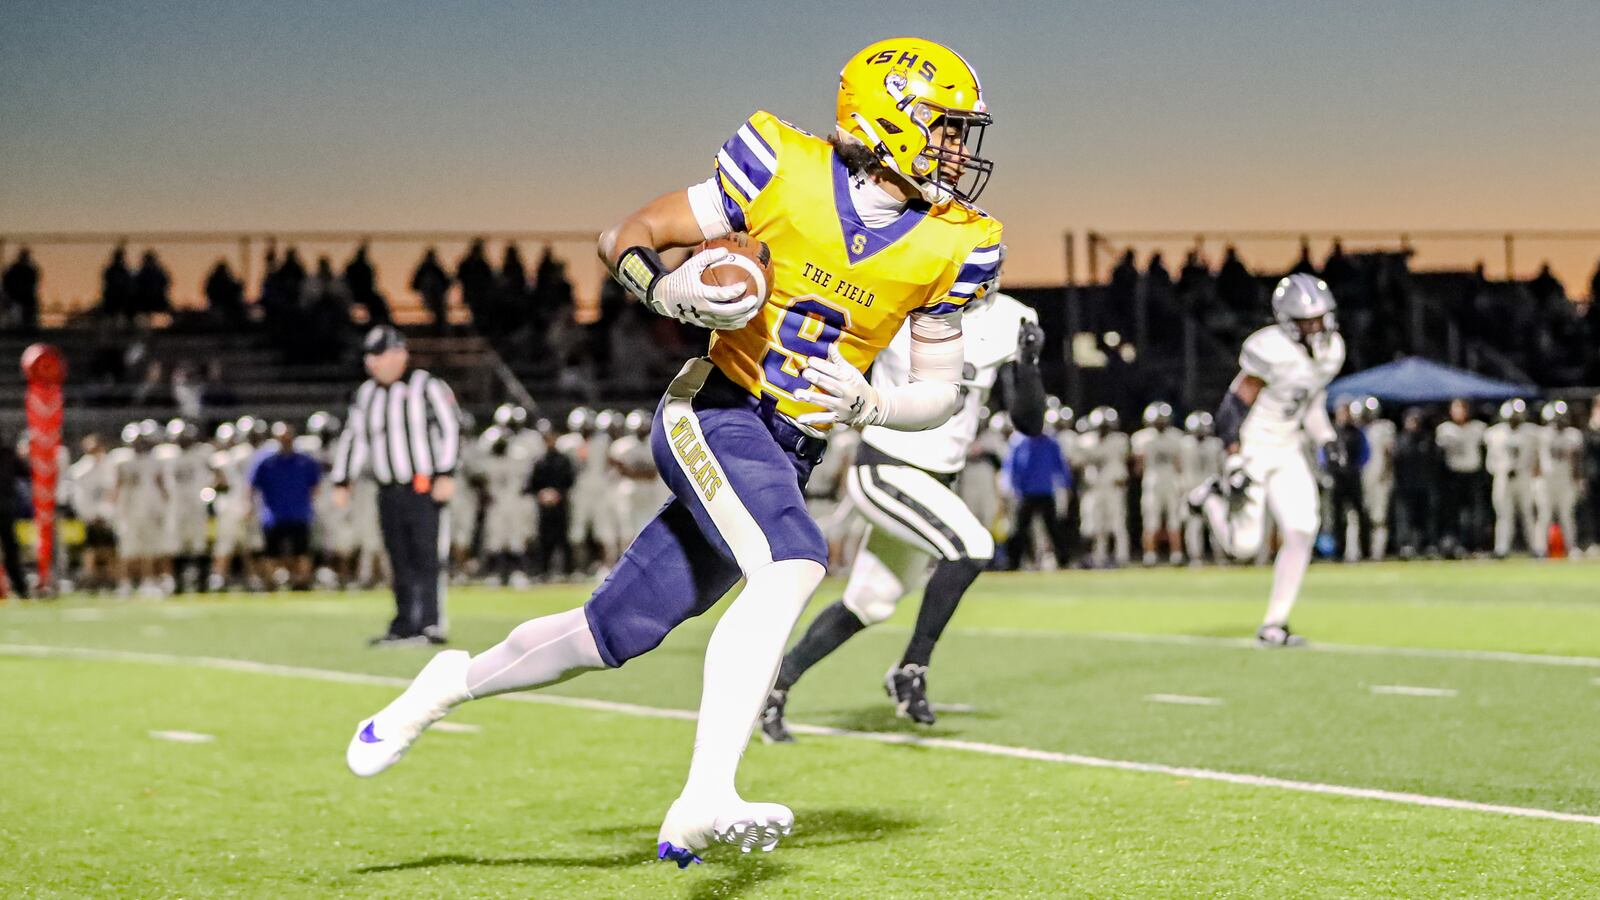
(846, 397)
(681, 295)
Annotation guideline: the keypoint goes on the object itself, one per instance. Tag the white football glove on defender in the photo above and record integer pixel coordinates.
(681, 295)
(847, 398)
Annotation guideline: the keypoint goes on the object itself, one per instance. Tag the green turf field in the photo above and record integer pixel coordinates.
(195, 748)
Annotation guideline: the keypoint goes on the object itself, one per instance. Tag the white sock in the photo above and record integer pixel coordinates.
(1287, 573)
(741, 662)
(538, 652)
(1215, 507)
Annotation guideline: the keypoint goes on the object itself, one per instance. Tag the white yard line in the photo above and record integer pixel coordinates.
(1406, 690)
(183, 737)
(1024, 753)
(1242, 643)
(1183, 699)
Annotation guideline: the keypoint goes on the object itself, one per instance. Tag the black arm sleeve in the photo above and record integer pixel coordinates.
(1026, 397)
(1230, 418)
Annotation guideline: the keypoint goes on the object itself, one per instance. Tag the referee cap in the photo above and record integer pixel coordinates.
(382, 338)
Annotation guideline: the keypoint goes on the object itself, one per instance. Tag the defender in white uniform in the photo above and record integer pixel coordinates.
(1377, 475)
(1158, 460)
(1201, 456)
(1278, 399)
(1103, 455)
(1560, 473)
(1511, 454)
(901, 484)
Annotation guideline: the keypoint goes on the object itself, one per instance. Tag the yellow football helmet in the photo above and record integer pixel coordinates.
(894, 95)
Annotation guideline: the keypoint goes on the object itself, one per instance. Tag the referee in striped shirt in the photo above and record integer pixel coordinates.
(405, 429)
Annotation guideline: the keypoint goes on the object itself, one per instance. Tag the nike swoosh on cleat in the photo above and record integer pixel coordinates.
(367, 736)
(666, 850)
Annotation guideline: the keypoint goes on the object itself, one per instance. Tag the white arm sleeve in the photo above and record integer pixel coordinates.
(934, 392)
(1317, 423)
(705, 199)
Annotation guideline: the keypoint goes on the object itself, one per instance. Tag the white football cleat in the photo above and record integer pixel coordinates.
(692, 826)
(380, 741)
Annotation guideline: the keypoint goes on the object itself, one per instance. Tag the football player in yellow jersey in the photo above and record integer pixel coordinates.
(866, 228)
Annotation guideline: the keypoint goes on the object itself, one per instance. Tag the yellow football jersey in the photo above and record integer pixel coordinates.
(835, 279)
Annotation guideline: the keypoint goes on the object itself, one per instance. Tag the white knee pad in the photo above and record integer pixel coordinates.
(873, 590)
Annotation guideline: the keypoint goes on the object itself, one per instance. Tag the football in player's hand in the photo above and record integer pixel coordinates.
(750, 264)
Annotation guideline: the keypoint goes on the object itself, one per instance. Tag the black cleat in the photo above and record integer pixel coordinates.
(773, 729)
(1278, 636)
(908, 688)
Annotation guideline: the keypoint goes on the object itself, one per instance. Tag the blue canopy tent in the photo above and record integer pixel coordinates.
(1416, 380)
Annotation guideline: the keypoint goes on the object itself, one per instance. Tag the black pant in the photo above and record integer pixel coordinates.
(13, 554)
(410, 523)
(552, 540)
(1344, 498)
(1462, 515)
(1022, 530)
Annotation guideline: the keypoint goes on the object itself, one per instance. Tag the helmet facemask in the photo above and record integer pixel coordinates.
(968, 171)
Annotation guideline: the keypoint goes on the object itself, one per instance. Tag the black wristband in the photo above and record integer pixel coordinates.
(1230, 418)
(638, 269)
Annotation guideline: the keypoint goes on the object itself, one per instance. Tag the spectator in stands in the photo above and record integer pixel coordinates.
(116, 286)
(187, 392)
(285, 480)
(215, 391)
(20, 285)
(326, 310)
(552, 293)
(1416, 486)
(1040, 481)
(432, 283)
(280, 299)
(361, 283)
(477, 285)
(225, 295)
(1194, 285)
(151, 286)
(1121, 299)
(1236, 288)
(1338, 271)
(1162, 316)
(1304, 265)
(152, 389)
(511, 293)
(1546, 287)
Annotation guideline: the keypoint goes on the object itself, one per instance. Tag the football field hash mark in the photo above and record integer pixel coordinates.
(183, 737)
(1183, 699)
(684, 715)
(1406, 690)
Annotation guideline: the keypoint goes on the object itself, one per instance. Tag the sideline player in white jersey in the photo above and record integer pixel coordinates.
(640, 491)
(94, 481)
(1103, 452)
(1158, 461)
(1278, 399)
(590, 512)
(189, 471)
(507, 526)
(1511, 454)
(465, 503)
(901, 484)
(1202, 456)
(234, 507)
(1560, 473)
(332, 526)
(1377, 474)
(140, 504)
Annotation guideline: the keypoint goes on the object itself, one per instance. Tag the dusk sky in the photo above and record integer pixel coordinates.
(1109, 115)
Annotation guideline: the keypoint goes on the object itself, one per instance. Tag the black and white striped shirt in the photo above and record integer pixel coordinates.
(410, 428)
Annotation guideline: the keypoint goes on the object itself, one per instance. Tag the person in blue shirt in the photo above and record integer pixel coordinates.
(1039, 479)
(284, 480)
